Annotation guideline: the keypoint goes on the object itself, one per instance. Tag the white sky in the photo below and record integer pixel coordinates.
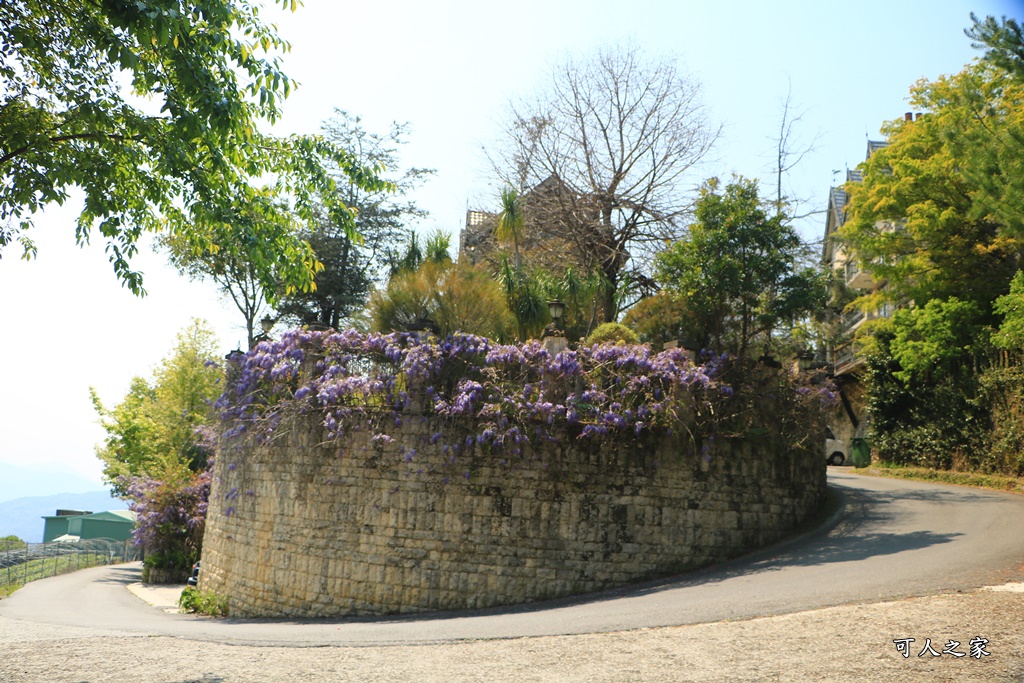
(450, 68)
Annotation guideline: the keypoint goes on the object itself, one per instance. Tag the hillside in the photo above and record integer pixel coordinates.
(22, 516)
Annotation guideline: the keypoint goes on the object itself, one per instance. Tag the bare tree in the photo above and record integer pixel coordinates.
(601, 160)
(789, 151)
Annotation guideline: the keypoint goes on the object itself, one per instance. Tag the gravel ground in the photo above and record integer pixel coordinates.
(849, 643)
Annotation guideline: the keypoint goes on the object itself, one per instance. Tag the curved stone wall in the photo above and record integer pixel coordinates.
(301, 529)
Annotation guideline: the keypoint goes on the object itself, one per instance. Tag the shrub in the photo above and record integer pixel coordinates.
(455, 298)
(195, 601)
(662, 318)
(611, 333)
(11, 543)
(171, 517)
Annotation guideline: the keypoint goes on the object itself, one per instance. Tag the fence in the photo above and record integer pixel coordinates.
(24, 562)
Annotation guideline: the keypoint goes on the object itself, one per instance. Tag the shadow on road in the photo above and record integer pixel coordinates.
(123, 574)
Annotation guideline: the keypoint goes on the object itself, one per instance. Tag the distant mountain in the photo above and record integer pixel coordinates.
(18, 481)
(22, 517)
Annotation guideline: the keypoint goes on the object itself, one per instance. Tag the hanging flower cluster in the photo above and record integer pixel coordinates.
(508, 395)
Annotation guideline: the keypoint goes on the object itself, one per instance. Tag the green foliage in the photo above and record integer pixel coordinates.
(1004, 393)
(940, 218)
(612, 333)
(661, 318)
(211, 72)
(941, 424)
(11, 543)
(382, 217)
(511, 222)
(739, 269)
(221, 252)
(437, 248)
(152, 431)
(1011, 306)
(195, 601)
(525, 298)
(170, 559)
(451, 297)
(1003, 42)
(934, 216)
(583, 295)
(936, 338)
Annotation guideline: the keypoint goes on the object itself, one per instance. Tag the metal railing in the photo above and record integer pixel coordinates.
(21, 563)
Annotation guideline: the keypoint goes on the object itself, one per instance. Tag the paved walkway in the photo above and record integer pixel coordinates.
(164, 597)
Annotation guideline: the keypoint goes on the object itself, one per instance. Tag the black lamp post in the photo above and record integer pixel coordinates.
(267, 324)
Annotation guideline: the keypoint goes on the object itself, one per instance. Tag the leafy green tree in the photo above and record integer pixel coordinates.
(382, 219)
(11, 542)
(936, 338)
(152, 432)
(1002, 40)
(936, 421)
(220, 252)
(436, 249)
(525, 297)
(1011, 307)
(188, 156)
(613, 333)
(739, 270)
(932, 217)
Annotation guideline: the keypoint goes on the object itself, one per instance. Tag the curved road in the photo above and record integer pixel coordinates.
(891, 538)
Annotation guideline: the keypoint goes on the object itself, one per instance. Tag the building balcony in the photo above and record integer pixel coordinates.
(854, 319)
(846, 358)
(857, 276)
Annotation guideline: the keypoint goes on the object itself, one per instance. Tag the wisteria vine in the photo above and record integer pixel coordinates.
(496, 398)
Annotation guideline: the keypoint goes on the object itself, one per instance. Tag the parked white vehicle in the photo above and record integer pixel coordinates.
(836, 451)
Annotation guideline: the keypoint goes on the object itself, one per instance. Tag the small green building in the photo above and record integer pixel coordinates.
(113, 524)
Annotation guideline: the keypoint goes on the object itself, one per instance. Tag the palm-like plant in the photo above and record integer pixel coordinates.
(524, 295)
(511, 223)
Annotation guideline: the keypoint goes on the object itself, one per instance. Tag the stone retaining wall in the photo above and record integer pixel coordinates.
(301, 529)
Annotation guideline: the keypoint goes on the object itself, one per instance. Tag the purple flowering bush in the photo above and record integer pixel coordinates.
(511, 394)
(171, 515)
(502, 398)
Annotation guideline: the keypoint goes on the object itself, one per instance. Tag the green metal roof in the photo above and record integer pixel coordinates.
(113, 516)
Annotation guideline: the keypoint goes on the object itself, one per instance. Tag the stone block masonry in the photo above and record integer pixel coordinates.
(302, 528)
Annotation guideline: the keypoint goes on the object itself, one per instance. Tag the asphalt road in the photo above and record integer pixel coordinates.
(890, 539)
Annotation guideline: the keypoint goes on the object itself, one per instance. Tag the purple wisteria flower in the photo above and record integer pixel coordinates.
(498, 398)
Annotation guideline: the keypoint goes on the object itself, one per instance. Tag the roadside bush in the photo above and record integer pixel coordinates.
(612, 333)
(1004, 392)
(171, 518)
(195, 601)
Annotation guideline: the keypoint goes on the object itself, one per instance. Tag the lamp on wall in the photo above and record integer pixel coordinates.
(554, 337)
(267, 324)
(557, 309)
